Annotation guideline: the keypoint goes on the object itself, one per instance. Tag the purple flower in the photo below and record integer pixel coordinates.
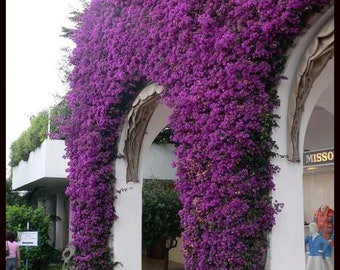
(219, 63)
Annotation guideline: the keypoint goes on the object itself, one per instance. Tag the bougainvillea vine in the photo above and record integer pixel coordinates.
(218, 62)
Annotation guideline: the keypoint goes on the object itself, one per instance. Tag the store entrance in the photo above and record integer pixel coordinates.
(318, 182)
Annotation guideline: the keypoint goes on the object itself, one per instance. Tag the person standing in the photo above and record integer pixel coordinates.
(324, 218)
(13, 259)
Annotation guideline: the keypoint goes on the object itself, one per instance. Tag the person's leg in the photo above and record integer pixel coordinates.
(11, 264)
(16, 264)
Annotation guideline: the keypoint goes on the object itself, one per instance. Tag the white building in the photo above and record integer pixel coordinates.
(306, 124)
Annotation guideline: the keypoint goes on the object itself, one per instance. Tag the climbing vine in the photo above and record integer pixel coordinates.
(219, 63)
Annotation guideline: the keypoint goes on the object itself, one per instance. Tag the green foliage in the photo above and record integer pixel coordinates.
(16, 220)
(164, 137)
(161, 205)
(13, 198)
(74, 18)
(28, 197)
(30, 139)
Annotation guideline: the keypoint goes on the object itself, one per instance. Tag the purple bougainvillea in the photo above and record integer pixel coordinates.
(219, 63)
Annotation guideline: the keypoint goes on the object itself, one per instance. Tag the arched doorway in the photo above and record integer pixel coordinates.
(160, 206)
(318, 147)
(144, 122)
(309, 73)
(317, 125)
(318, 160)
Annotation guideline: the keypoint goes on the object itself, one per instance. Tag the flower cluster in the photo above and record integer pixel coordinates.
(218, 63)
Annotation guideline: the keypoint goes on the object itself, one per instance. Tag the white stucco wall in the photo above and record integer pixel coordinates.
(287, 239)
(158, 162)
(323, 132)
(127, 230)
(46, 161)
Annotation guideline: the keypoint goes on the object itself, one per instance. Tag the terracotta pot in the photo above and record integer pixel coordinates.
(157, 251)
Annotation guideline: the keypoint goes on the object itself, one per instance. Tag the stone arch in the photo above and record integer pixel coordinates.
(137, 120)
(145, 120)
(311, 65)
(307, 68)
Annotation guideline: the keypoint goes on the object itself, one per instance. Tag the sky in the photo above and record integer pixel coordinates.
(33, 56)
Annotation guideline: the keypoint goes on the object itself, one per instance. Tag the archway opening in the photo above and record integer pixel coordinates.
(318, 142)
(140, 159)
(161, 231)
(318, 162)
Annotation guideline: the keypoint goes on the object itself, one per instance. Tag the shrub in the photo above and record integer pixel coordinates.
(16, 221)
(30, 139)
(160, 212)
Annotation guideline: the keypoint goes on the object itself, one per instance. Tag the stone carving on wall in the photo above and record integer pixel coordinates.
(315, 59)
(137, 121)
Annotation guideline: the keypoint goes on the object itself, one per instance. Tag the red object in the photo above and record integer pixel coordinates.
(324, 221)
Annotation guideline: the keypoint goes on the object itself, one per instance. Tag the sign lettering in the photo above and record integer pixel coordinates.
(319, 157)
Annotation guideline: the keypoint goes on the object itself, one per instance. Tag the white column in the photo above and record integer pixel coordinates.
(62, 222)
(50, 209)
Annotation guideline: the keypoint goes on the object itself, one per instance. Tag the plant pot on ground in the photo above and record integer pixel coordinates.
(156, 250)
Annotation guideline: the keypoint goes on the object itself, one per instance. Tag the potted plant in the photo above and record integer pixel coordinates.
(161, 222)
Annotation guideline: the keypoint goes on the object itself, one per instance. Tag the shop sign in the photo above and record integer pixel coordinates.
(318, 157)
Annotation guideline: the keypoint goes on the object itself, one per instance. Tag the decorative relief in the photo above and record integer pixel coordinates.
(311, 65)
(137, 121)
